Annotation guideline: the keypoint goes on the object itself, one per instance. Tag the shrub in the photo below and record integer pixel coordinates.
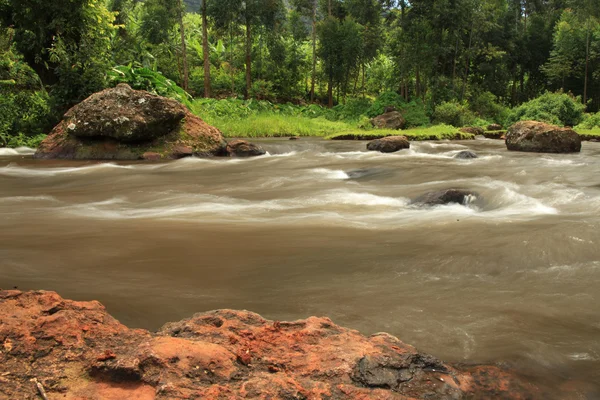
(384, 100)
(353, 109)
(142, 78)
(453, 113)
(487, 107)
(590, 121)
(415, 115)
(553, 108)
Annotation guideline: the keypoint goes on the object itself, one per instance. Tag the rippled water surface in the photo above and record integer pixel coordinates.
(325, 228)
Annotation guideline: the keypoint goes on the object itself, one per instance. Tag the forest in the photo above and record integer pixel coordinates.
(457, 62)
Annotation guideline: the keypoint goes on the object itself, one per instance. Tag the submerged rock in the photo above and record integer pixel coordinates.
(539, 137)
(473, 130)
(242, 148)
(389, 144)
(389, 120)
(447, 196)
(126, 124)
(466, 155)
(76, 350)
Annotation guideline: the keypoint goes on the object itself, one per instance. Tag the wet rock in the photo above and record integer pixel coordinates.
(539, 137)
(389, 144)
(124, 124)
(242, 148)
(364, 172)
(466, 155)
(294, 137)
(501, 135)
(494, 127)
(81, 352)
(473, 130)
(447, 196)
(389, 120)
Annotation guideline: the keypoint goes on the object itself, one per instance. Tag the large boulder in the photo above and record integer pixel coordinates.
(389, 144)
(389, 120)
(539, 137)
(447, 196)
(126, 124)
(494, 127)
(57, 348)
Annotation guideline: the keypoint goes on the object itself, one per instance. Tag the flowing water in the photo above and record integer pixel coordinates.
(325, 228)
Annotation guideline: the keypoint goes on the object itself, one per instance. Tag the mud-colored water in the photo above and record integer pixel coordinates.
(512, 278)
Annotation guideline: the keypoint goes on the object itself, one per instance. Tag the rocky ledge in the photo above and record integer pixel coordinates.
(55, 348)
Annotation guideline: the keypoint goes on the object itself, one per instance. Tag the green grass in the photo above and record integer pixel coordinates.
(438, 132)
(588, 134)
(276, 125)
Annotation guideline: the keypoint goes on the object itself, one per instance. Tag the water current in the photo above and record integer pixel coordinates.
(326, 228)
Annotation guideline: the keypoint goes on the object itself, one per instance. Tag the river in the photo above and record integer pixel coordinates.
(325, 228)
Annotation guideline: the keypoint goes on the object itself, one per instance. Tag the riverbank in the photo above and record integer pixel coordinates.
(56, 347)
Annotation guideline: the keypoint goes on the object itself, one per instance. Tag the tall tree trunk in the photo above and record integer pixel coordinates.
(330, 90)
(205, 51)
(186, 73)
(231, 59)
(313, 76)
(418, 83)
(467, 67)
(363, 80)
(248, 59)
(330, 9)
(587, 65)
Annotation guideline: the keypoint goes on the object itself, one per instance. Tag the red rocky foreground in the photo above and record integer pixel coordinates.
(65, 349)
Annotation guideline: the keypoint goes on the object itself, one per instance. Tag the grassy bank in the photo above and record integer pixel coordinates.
(276, 125)
(438, 132)
(589, 134)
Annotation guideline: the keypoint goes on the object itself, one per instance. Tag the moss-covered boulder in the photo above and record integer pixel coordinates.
(126, 124)
(539, 137)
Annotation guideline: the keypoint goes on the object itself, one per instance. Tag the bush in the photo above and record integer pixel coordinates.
(384, 100)
(590, 121)
(453, 113)
(142, 78)
(415, 115)
(486, 106)
(353, 109)
(553, 108)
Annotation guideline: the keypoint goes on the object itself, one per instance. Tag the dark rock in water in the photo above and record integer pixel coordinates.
(126, 124)
(389, 144)
(364, 172)
(494, 127)
(466, 155)
(448, 196)
(474, 130)
(389, 120)
(295, 138)
(242, 148)
(539, 137)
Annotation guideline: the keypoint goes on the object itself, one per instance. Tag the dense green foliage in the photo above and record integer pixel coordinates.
(457, 62)
(554, 108)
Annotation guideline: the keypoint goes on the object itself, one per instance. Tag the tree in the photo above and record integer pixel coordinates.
(205, 49)
(66, 42)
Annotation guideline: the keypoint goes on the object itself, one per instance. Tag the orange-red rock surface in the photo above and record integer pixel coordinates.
(76, 350)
